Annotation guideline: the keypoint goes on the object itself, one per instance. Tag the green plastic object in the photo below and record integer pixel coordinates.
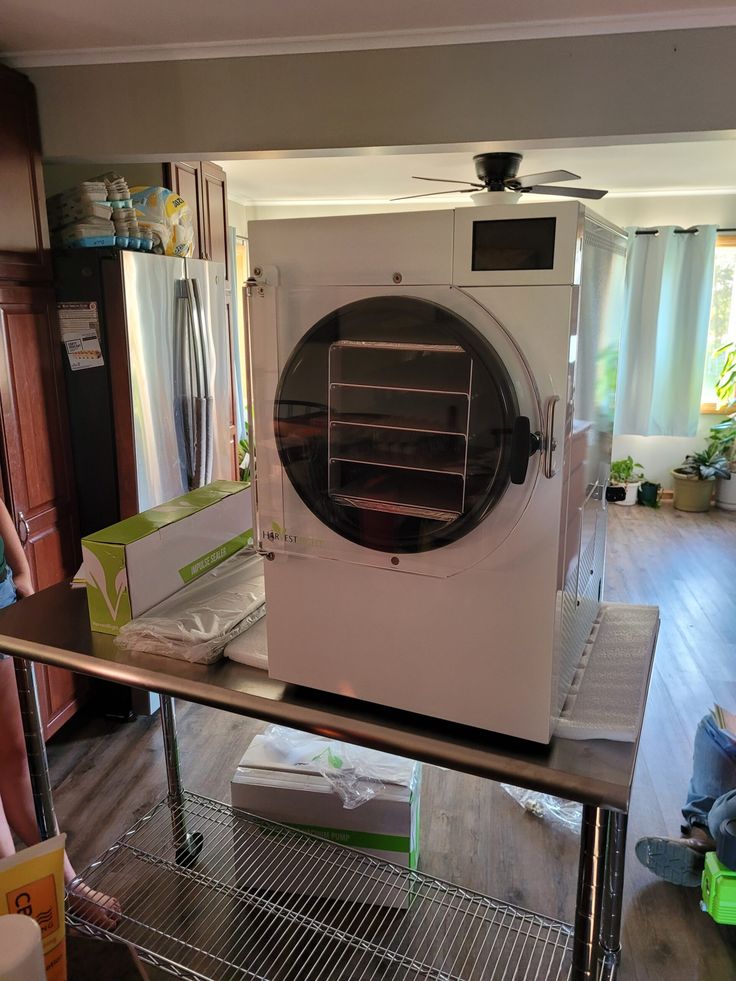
(718, 890)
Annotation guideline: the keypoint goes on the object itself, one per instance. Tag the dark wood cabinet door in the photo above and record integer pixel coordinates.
(36, 451)
(65, 692)
(185, 178)
(36, 441)
(214, 194)
(24, 242)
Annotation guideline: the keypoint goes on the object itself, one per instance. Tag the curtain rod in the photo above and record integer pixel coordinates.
(679, 231)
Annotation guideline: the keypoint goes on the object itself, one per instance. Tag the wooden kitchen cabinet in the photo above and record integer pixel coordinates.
(35, 450)
(34, 433)
(24, 253)
(185, 178)
(215, 231)
(203, 185)
(36, 455)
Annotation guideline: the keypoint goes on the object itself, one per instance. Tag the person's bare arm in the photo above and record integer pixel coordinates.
(14, 554)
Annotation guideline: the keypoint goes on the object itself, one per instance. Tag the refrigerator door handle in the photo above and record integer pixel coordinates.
(183, 381)
(199, 404)
(205, 335)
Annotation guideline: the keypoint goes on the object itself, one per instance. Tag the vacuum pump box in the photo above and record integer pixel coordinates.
(134, 564)
(268, 785)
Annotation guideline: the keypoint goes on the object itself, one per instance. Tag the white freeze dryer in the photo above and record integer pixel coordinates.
(432, 397)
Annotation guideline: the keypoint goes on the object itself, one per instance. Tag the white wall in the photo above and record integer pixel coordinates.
(659, 454)
(291, 209)
(676, 209)
(237, 216)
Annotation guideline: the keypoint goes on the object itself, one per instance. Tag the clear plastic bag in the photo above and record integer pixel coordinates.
(196, 623)
(354, 773)
(565, 812)
(168, 218)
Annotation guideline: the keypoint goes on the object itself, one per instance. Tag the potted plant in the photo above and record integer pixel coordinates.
(649, 493)
(695, 476)
(626, 473)
(724, 433)
(244, 457)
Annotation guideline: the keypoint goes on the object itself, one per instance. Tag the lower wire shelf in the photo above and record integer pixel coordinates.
(265, 902)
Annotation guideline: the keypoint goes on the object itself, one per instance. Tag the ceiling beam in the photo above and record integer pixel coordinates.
(618, 87)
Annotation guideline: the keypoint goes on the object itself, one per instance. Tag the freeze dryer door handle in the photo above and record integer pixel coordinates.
(550, 443)
(524, 443)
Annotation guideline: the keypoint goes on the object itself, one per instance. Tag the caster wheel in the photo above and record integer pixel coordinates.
(187, 854)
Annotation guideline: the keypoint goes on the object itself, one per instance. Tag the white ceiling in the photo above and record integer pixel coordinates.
(31, 31)
(622, 170)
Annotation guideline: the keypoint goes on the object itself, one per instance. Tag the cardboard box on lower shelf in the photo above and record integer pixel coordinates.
(268, 785)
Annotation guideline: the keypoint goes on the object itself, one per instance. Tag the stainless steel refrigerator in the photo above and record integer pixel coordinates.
(150, 383)
(147, 355)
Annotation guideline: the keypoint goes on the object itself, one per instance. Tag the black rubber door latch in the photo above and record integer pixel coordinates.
(524, 443)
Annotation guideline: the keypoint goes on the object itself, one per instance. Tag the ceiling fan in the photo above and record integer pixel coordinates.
(497, 173)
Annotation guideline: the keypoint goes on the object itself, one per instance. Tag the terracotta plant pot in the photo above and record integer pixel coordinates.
(692, 493)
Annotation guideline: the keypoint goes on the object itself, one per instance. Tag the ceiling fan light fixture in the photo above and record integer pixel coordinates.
(498, 173)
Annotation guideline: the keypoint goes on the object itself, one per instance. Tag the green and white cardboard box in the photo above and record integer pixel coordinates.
(136, 563)
(387, 827)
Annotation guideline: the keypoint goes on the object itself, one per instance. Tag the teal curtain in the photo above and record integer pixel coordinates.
(669, 281)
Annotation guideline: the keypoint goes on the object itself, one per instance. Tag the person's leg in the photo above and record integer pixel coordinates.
(681, 860)
(7, 848)
(15, 781)
(713, 773)
(724, 809)
(16, 802)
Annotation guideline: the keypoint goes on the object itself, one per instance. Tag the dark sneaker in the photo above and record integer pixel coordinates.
(676, 860)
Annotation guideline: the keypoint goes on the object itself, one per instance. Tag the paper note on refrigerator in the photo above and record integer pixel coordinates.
(79, 325)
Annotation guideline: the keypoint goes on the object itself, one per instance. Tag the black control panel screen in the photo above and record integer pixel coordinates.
(514, 243)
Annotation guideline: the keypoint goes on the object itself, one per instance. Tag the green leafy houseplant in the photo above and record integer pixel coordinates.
(723, 435)
(628, 474)
(726, 384)
(626, 471)
(244, 457)
(706, 465)
(695, 476)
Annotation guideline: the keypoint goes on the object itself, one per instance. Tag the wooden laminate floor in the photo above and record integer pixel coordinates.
(106, 775)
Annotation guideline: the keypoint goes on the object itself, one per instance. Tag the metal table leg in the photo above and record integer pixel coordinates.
(38, 764)
(188, 844)
(591, 873)
(613, 891)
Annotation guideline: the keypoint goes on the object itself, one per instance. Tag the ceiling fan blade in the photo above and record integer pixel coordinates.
(431, 194)
(546, 177)
(566, 192)
(445, 180)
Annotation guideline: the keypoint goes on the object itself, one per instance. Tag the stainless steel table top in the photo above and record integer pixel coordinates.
(52, 627)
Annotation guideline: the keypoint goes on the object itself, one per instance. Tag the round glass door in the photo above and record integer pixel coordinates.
(393, 421)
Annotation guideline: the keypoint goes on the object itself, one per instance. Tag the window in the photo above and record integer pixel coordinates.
(722, 318)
